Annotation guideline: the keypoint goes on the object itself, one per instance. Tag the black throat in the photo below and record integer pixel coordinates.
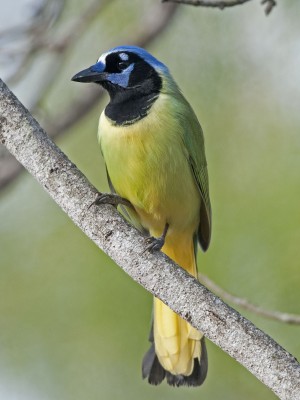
(129, 105)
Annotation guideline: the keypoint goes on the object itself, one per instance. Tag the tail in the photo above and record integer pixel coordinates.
(178, 351)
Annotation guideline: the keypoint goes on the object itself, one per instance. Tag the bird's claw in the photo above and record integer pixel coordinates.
(100, 199)
(109, 198)
(154, 244)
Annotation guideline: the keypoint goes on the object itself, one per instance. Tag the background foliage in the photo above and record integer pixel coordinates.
(74, 326)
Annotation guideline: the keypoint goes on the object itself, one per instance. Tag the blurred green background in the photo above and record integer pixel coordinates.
(72, 324)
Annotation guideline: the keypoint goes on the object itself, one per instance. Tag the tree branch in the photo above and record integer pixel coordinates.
(222, 4)
(260, 354)
(292, 319)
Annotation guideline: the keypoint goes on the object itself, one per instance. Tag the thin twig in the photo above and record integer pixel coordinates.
(221, 4)
(270, 4)
(183, 293)
(292, 319)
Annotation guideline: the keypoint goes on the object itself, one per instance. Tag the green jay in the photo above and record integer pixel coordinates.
(153, 148)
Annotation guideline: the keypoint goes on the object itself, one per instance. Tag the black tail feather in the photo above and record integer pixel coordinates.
(153, 370)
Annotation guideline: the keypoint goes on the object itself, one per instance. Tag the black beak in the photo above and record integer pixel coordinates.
(89, 75)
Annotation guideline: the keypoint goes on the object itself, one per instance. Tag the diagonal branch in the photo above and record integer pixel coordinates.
(259, 353)
(292, 319)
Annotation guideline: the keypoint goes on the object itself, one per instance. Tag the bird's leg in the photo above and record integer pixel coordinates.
(110, 198)
(155, 244)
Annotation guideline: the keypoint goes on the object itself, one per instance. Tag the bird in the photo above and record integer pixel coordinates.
(153, 147)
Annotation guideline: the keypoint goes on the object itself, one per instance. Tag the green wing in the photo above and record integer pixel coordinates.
(194, 144)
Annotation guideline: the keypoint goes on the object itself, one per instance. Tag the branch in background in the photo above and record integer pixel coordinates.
(43, 15)
(292, 319)
(86, 18)
(33, 30)
(45, 40)
(10, 169)
(183, 293)
(222, 4)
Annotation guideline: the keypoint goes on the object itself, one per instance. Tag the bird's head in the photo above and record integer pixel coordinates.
(125, 69)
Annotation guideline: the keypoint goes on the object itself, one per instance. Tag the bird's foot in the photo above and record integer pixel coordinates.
(110, 198)
(156, 244)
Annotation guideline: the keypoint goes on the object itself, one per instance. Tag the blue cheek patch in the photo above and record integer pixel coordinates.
(121, 78)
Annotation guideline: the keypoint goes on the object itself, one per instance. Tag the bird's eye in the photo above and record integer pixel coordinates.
(123, 65)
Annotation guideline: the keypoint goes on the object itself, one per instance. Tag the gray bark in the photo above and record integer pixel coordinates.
(69, 188)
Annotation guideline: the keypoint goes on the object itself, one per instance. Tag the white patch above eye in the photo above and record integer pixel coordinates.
(102, 58)
(124, 56)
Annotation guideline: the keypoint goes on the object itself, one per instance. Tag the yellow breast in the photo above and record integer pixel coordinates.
(148, 165)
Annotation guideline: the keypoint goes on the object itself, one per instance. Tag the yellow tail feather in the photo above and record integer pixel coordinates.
(177, 343)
